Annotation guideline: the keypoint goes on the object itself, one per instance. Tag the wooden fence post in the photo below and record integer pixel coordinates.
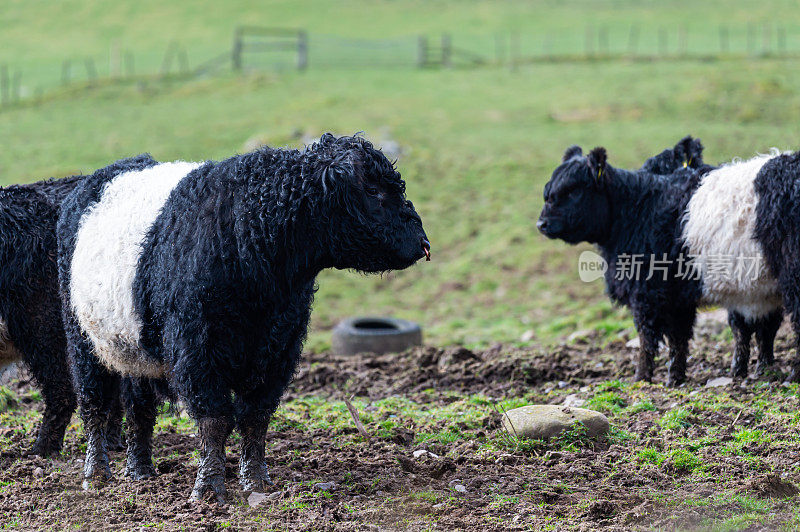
(422, 51)
(447, 51)
(16, 86)
(302, 50)
(91, 70)
(166, 63)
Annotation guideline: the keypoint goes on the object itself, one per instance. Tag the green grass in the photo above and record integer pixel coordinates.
(480, 144)
(693, 456)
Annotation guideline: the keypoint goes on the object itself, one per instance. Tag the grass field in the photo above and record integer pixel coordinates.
(478, 144)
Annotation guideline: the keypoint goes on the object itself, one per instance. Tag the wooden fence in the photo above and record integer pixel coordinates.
(264, 48)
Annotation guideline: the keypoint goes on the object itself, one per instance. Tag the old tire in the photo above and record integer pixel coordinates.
(375, 335)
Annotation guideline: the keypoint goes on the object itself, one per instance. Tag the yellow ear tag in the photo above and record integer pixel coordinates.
(599, 173)
(685, 164)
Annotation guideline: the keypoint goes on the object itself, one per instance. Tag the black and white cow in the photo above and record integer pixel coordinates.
(203, 274)
(31, 328)
(690, 223)
(688, 153)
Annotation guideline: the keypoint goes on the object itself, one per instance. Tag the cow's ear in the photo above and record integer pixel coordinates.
(571, 152)
(597, 163)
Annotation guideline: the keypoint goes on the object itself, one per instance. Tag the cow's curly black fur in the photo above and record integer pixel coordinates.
(631, 213)
(225, 285)
(778, 232)
(29, 298)
(30, 307)
(688, 153)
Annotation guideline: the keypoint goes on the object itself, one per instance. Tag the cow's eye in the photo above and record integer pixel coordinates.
(372, 190)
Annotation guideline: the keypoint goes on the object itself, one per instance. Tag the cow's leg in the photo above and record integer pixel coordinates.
(114, 437)
(141, 410)
(766, 331)
(649, 338)
(98, 390)
(679, 336)
(256, 405)
(200, 383)
(213, 432)
(51, 371)
(742, 330)
(252, 421)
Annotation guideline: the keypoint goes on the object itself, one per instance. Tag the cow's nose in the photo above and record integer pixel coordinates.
(541, 224)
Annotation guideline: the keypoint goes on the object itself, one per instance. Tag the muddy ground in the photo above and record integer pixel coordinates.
(637, 479)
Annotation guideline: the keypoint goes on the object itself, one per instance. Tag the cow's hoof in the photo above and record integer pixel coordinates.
(210, 484)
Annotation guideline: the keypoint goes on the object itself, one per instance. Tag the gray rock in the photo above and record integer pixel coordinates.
(422, 453)
(634, 343)
(545, 421)
(582, 335)
(573, 401)
(8, 373)
(325, 486)
(256, 499)
(719, 381)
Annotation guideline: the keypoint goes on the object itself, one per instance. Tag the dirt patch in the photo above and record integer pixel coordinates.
(335, 480)
(773, 486)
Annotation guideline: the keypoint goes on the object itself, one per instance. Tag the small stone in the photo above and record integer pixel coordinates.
(256, 499)
(325, 486)
(719, 381)
(38, 472)
(421, 453)
(527, 336)
(581, 335)
(274, 496)
(459, 488)
(563, 384)
(439, 506)
(573, 401)
(634, 343)
(545, 421)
